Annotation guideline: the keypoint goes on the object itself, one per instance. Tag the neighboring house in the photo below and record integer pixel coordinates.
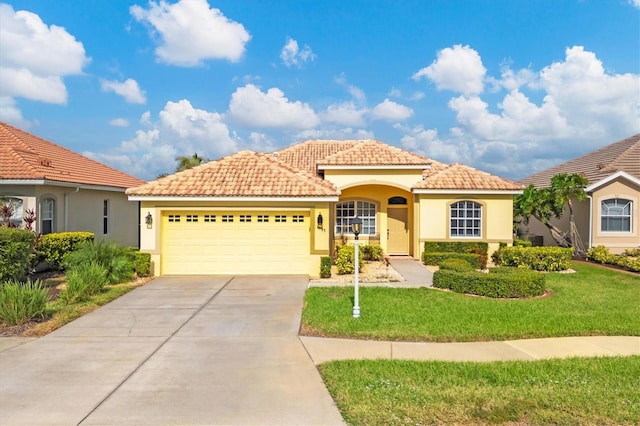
(611, 214)
(69, 192)
(252, 213)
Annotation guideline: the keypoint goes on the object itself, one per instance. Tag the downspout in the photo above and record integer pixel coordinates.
(590, 219)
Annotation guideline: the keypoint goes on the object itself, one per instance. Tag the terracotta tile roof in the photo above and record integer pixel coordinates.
(305, 155)
(311, 154)
(461, 177)
(623, 155)
(28, 157)
(374, 153)
(244, 174)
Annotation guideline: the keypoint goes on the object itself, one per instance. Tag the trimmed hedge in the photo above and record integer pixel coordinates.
(455, 246)
(52, 248)
(345, 259)
(16, 246)
(371, 252)
(536, 258)
(325, 267)
(142, 263)
(630, 259)
(430, 258)
(456, 264)
(499, 283)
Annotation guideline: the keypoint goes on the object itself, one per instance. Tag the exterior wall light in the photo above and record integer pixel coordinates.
(356, 227)
(149, 220)
(320, 221)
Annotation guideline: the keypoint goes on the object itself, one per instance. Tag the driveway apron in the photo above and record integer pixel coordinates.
(180, 350)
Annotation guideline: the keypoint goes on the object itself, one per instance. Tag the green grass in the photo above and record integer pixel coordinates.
(587, 391)
(593, 301)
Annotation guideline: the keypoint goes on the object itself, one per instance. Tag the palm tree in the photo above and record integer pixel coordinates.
(185, 163)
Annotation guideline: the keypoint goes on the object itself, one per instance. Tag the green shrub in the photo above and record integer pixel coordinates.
(372, 253)
(456, 264)
(52, 248)
(22, 302)
(514, 283)
(536, 258)
(325, 267)
(522, 243)
(632, 252)
(83, 281)
(142, 263)
(345, 259)
(455, 246)
(598, 254)
(437, 258)
(16, 246)
(117, 260)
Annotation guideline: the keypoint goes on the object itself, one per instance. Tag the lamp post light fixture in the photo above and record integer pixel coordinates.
(149, 220)
(320, 222)
(356, 227)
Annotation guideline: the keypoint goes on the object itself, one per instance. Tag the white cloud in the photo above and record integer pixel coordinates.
(128, 89)
(416, 96)
(391, 111)
(251, 107)
(635, 3)
(458, 68)
(191, 32)
(428, 143)
(119, 122)
(180, 130)
(11, 114)
(344, 133)
(292, 55)
(357, 93)
(35, 58)
(346, 114)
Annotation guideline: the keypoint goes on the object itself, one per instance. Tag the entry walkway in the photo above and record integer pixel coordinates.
(412, 270)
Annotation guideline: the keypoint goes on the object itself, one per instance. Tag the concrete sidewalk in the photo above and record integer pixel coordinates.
(326, 349)
(413, 271)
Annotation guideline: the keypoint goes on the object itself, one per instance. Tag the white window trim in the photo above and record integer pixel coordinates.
(466, 237)
(602, 216)
(355, 201)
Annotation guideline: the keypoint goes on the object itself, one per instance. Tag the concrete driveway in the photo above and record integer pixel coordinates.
(180, 350)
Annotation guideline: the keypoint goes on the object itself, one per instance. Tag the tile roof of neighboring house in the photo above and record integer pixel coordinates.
(244, 174)
(461, 177)
(24, 156)
(623, 155)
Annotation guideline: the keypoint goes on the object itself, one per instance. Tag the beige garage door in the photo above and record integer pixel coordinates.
(235, 242)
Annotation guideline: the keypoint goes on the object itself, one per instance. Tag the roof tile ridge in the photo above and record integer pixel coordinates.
(311, 178)
(23, 161)
(10, 132)
(611, 166)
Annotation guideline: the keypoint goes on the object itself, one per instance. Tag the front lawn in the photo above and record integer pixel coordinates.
(589, 391)
(593, 301)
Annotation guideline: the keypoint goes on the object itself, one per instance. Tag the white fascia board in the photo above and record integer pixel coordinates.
(610, 178)
(42, 182)
(235, 199)
(466, 191)
(389, 167)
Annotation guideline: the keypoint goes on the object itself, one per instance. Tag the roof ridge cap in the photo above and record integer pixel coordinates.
(623, 154)
(313, 179)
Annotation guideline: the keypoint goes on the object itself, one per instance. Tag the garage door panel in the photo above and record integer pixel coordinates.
(199, 247)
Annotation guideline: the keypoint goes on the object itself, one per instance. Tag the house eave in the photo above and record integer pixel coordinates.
(378, 167)
(47, 182)
(329, 199)
(467, 191)
(610, 178)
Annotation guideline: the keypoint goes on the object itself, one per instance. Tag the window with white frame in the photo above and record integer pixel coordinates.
(47, 213)
(347, 210)
(615, 215)
(465, 219)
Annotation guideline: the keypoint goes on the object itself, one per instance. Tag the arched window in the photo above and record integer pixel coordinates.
(615, 215)
(348, 210)
(47, 214)
(465, 219)
(397, 201)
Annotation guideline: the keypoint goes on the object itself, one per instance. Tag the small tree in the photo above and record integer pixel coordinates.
(547, 203)
(185, 163)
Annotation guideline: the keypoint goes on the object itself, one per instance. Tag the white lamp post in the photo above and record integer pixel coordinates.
(356, 227)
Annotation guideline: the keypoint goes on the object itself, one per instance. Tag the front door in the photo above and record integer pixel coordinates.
(397, 231)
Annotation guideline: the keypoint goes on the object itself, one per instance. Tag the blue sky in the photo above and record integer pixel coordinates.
(510, 87)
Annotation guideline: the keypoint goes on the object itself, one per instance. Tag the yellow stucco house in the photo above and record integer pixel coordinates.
(261, 213)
